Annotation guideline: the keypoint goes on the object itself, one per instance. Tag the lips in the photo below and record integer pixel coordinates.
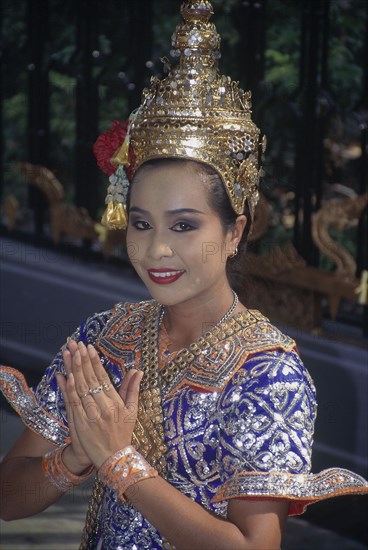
(165, 276)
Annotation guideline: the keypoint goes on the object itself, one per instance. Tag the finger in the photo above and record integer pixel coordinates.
(62, 384)
(68, 409)
(72, 345)
(100, 372)
(68, 394)
(81, 387)
(125, 384)
(76, 399)
(132, 395)
(74, 407)
(89, 373)
(75, 403)
(67, 361)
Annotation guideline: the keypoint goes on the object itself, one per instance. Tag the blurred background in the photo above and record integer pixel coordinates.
(69, 68)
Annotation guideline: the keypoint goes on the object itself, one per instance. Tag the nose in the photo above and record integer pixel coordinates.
(159, 246)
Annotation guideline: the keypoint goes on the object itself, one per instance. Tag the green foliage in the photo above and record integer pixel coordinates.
(348, 32)
(14, 114)
(276, 102)
(282, 71)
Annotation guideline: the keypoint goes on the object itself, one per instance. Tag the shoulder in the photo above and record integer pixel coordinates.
(269, 354)
(276, 365)
(259, 334)
(273, 375)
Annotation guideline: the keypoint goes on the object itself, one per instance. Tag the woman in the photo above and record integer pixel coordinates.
(196, 413)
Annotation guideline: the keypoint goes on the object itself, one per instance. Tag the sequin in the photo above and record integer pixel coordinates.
(223, 112)
(250, 436)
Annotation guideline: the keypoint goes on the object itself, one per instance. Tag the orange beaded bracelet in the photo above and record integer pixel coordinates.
(123, 469)
(58, 474)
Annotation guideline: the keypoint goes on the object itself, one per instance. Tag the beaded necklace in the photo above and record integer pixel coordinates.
(148, 436)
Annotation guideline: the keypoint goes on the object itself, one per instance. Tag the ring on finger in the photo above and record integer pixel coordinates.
(97, 389)
(106, 386)
(85, 394)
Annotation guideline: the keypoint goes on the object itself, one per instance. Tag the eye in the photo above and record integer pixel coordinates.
(141, 225)
(180, 227)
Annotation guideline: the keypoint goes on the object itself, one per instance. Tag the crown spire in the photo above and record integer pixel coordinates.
(195, 37)
(196, 113)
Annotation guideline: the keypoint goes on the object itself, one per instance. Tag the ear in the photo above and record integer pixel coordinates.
(235, 233)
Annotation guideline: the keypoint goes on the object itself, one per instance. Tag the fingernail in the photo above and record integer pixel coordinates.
(91, 350)
(82, 348)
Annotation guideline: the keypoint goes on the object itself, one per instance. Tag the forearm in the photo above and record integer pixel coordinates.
(28, 487)
(183, 522)
(24, 488)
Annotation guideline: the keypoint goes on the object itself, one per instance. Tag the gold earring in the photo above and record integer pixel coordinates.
(234, 253)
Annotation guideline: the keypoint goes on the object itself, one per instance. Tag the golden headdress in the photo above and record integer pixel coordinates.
(194, 113)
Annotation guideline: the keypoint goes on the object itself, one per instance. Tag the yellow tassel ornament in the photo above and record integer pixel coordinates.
(122, 154)
(115, 215)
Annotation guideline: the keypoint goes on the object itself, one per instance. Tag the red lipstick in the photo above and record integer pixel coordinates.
(164, 275)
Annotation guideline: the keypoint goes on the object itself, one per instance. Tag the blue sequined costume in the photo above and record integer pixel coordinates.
(248, 436)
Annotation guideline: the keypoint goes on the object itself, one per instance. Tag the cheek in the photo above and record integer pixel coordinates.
(192, 249)
(134, 247)
(213, 254)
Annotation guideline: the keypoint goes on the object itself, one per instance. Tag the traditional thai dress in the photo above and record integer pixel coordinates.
(237, 409)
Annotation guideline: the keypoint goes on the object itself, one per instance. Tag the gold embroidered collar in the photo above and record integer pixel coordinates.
(207, 364)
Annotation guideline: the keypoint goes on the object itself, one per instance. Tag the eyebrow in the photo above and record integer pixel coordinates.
(169, 212)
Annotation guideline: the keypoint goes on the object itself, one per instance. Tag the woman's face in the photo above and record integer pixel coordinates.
(175, 240)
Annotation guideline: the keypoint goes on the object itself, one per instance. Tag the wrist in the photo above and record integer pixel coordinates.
(73, 463)
(103, 455)
(124, 469)
(58, 474)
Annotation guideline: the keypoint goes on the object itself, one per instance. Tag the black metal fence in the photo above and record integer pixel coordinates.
(74, 66)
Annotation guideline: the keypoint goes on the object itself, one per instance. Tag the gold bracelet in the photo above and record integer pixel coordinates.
(58, 474)
(123, 469)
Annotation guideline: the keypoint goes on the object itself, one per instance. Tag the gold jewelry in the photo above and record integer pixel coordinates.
(58, 474)
(193, 113)
(106, 386)
(124, 469)
(197, 113)
(148, 435)
(234, 253)
(85, 394)
(95, 390)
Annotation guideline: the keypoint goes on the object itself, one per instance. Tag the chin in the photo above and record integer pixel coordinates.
(165, 299)
(165, 296)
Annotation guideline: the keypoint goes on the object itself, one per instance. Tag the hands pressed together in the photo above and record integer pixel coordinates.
(101, 419)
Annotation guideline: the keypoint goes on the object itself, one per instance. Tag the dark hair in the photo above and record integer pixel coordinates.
(218, 201)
